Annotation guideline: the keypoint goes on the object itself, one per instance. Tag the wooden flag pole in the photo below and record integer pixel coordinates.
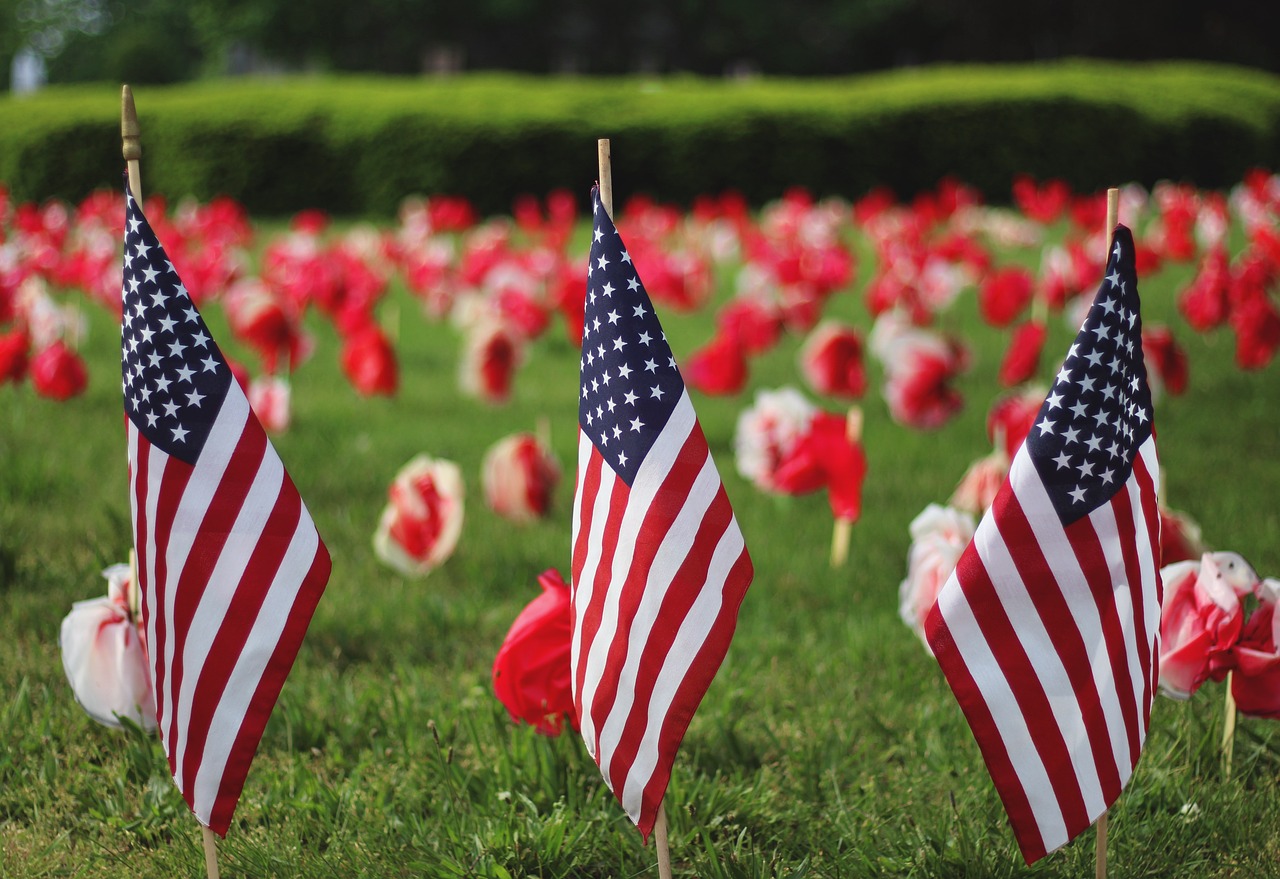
(210, 852)
(131, 149)
(843, 528)
(1228, 729)
(1100, 855)
(1100, 864)
(131, 145)
(606, 199)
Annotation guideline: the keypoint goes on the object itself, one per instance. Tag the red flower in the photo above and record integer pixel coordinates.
(751, 324)
(532, 673)
(420, 526)
(1256, 682)
(1164, 353)
(15, 351)
(1022, 359)
(825, 455)
(1201, 619)
(831, 361)
(519, 476)
(1257, 327)
(1179, 538)
(1011, 417)
(1205, 301)
(719, 367)
(1042, 203)
(269, 399)
(489, 361)
(369, 362)
(58, 372)
(1004, 294)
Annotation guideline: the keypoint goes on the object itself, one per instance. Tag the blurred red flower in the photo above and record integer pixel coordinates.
(58, 372)
(369, 362)
(719, 367)
(1022, 358)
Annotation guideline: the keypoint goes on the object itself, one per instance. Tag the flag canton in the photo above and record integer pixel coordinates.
(1098, 413)
(174, 376)
(629, 380)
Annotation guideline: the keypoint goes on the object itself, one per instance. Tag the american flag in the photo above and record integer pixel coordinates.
(1047, 630)
(230, 566)
(659, 564)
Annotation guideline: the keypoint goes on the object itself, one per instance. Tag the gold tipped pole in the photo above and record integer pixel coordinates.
(606, 199)
(606, 175)
(131, 146)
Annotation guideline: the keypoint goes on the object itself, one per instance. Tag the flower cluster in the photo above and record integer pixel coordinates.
(1207, 632)
(785, 445)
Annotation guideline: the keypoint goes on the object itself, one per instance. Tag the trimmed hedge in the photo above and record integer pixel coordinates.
(359, 145)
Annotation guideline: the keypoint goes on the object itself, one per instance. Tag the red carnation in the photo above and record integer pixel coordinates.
(1022, 359)
(719, 367)
(1257, 327)
(58, 373)
(532, 673)
(831, 361)
(15, 352)
(369, 362)
(1163, 352)
(1004, 294)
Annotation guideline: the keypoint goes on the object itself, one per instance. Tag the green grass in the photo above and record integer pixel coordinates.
(829, 744)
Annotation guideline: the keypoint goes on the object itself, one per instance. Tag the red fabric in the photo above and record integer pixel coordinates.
(532, 673)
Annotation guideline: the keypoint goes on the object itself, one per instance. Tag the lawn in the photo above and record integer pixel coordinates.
(829, 744)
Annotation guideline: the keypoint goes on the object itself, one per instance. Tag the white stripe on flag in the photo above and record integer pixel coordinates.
(222, 441)
(975, 652)
(225, 579)
(675, 547)
(657, 464)
(225, 725)
(693, 634)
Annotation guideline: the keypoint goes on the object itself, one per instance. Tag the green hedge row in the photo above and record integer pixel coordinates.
(358, 145)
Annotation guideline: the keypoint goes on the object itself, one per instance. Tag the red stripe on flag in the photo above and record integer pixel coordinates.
(1016, 667)
(1148, 650)
(1045, 593)
(978, 715)
(207, 548)
(242, 614)
(627, 595)
(599, 577)
(686, 588)
(269, 686)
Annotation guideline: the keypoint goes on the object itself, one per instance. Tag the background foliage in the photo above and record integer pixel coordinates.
(154, 41)
(360, 144)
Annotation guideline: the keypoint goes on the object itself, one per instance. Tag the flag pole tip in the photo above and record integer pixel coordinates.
(131, 146)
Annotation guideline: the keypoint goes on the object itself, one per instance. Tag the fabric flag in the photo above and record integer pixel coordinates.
(659, 564)
(1047, 629)
(230, 566)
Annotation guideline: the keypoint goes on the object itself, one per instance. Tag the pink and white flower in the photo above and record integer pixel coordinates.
(831, 361)
(938, 536)
(519, 476)
(1201, 619)
(767, 432)
(420, 526)
(105, 657)
(269, 397)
